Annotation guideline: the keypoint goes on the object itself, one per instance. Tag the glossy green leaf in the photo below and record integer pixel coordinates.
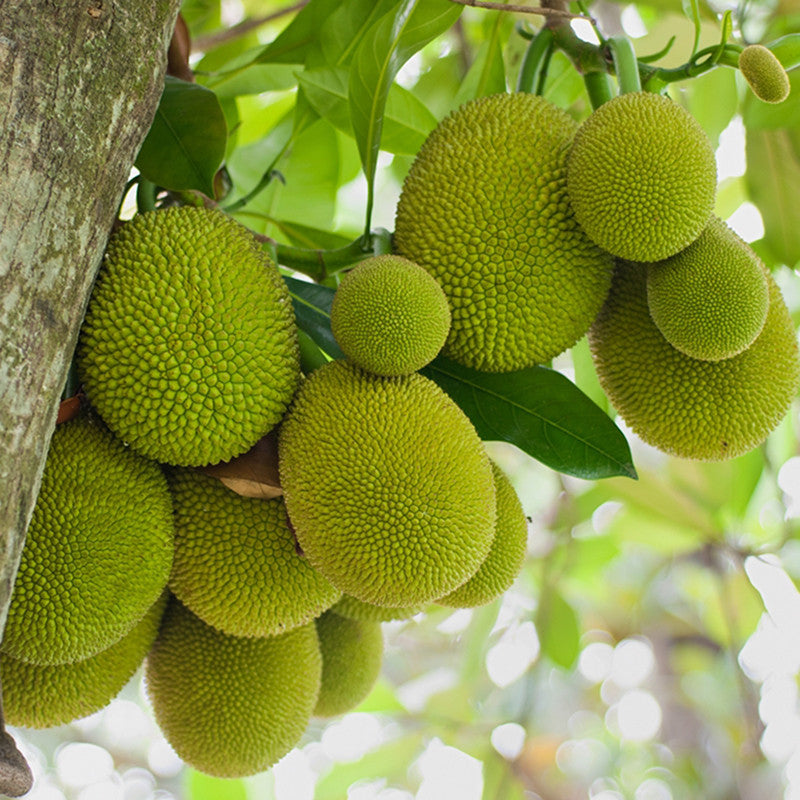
(542, 413)
(345, 29)
(773, 175)
(312, 309)
(487, 73)
(186, 142)
(292, 45)
(384, 49)
(406, 122)
(558, 629)
(244, 77)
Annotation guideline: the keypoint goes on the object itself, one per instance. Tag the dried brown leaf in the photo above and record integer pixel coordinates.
(254, 473)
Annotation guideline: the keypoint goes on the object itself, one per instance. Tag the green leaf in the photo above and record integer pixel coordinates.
(186, 142)
(243, 77)
(205, 787)
(542, 413)
(487, 73)
(712, 99)
(773, 175)
(312, 309)
(407, 122)
(384, 50)
(558, 629)
(758, 115)
(293, 43)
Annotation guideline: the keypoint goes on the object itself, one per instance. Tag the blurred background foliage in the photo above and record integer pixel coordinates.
(650, 648)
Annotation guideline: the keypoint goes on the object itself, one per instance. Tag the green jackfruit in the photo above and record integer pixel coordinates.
(389, 316)
(236, 565)
(505, 559)
(388, 488)
(705, 410)
(353, 608)
(98, 549)
(231, 706)
(40, 696)
(710, 300)
(189, 348)
(642, 177)
(485, 210)
(352, 652)
(764, 73)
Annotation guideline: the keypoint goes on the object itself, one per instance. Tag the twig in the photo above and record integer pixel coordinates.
(546, 12)
(204, 43)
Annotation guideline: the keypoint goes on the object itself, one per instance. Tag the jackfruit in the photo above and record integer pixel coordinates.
(352, 652)
(504, 561)
(231, 706)
(642, 177)
(765, 74)
(389, 316)
(189, 347)
(236, 566)
(388, 488)
(98, 549)
(710, 300)
(485, 210)
(40, 696)
(705, 410)
(353, 608)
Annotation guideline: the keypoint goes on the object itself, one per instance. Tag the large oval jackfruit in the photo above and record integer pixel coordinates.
(189, 348)
(236, 565)
(98, 550)
(40, 696)
(642, 177)
(485, 210)
(231, 706)
(710, 300)
(390, 316)
(505, 559)
(705, 410)
(352, 652)
(387, 485)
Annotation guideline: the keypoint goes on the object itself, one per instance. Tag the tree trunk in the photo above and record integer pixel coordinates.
(79, 84)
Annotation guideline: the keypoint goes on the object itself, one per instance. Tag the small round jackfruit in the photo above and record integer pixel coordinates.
(705, 410)
(236, 565)
(710, 300)
(98, 549)
(352, 652)
(231, 706)
(388, 488)
(353, 608)
(642, 177)
(505, 559)
(41, 696)
(485, 210)
(765, 74)
(189, 347)
(389, 316)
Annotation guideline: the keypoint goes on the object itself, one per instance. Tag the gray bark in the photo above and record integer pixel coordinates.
(79, 84)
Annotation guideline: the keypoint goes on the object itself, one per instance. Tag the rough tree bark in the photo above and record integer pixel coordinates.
(79, 84)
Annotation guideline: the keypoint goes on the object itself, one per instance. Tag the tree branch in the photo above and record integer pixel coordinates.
(545, 10)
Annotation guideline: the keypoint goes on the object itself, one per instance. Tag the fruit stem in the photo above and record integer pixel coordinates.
(625, 64)
(598, 87)
(533, 71)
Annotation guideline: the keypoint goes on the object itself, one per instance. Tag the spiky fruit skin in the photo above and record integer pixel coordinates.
(485, 210)
(506, 556)
(389, 316)
(387, 485)
(710, 300)
(355, 609)
(189, 347)
(704, 410)
(764, 73)
(41, 696)
(236, 565)
(352, 652)
(231, 706)
(98, 549)
(642, 177)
